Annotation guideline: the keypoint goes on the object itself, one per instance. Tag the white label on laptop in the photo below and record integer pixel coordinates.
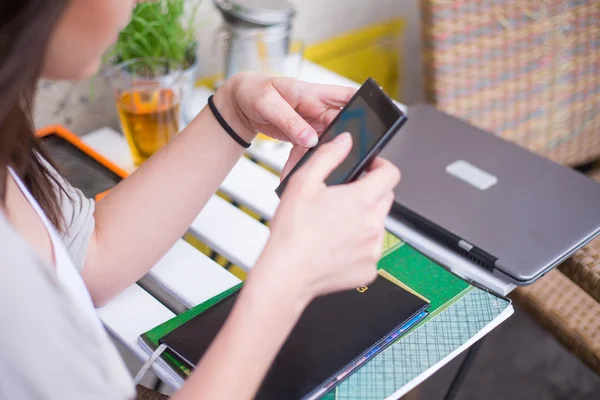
(471, 174)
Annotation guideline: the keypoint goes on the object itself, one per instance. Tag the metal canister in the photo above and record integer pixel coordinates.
(255, 35)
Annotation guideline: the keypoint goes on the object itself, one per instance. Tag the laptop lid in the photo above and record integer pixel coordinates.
(510, 211)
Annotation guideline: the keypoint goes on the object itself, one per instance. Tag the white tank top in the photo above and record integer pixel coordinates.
(73, 284)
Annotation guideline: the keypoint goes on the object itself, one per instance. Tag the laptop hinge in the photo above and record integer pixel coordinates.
(445, 238)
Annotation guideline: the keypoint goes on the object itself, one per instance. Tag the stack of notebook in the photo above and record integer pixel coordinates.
(339, 333)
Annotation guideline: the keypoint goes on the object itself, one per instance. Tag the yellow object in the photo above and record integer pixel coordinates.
(238, 272)
(197, 244)
(219, 259)
(241, 207)
(208, 81)
(390, 243)
(373, 51)
(150, 120)
(260, 136)
(404, 286)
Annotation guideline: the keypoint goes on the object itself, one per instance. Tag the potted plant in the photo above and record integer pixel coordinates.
(161, 29)
(152, 68)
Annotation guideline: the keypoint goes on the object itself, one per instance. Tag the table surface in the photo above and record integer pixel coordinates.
(185, 277)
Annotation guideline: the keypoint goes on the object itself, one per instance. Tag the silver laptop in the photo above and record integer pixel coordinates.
(514, 214)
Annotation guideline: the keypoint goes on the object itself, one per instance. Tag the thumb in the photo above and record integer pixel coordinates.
(328, 157)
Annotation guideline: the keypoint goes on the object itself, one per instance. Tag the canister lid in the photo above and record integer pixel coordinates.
(261, 12)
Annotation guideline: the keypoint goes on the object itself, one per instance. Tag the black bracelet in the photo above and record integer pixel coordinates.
(225, 125)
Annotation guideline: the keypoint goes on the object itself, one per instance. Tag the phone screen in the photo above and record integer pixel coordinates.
(366, 128)
(369, 117)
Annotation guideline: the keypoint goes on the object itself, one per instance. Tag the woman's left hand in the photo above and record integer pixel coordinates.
(282, 108)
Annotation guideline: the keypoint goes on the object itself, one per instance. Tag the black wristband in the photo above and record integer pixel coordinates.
(225, 125)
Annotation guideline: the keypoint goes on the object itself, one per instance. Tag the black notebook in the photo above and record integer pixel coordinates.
(333, 337)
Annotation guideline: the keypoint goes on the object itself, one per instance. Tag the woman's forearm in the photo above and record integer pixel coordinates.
(240, 356)
(143, 216)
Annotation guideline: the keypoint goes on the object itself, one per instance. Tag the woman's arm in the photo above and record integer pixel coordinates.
(240, 356)
(143, 216)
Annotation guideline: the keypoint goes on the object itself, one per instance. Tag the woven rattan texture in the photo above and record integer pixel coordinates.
(526, 70)
(567, 302)
(584, 267)
(569, 313)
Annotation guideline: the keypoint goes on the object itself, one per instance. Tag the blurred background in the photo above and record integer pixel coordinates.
(315, 21)
(528, 71)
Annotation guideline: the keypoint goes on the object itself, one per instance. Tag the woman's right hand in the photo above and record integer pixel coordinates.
(328, 238)
(323, 239)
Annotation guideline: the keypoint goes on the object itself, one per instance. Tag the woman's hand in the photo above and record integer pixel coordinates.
(282, 108)
(325, 239)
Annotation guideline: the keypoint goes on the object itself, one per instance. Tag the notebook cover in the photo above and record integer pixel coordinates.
(400, 260)
(457, 315)
(333, 332)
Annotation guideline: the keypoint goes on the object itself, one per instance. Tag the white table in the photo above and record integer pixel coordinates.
(185, 277)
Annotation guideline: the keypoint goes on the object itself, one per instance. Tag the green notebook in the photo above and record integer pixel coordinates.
(444, 290)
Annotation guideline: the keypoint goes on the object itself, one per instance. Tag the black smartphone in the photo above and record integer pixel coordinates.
(372, 119)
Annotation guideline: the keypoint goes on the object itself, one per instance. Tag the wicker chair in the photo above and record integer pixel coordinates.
(529, 72)
(567, 302)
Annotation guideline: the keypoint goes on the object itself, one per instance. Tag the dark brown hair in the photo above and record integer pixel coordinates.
(25, 30)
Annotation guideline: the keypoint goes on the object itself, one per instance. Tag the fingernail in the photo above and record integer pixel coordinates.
(343, 138)
(309, 139)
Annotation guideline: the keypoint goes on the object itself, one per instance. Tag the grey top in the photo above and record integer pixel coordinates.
(50, 347)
